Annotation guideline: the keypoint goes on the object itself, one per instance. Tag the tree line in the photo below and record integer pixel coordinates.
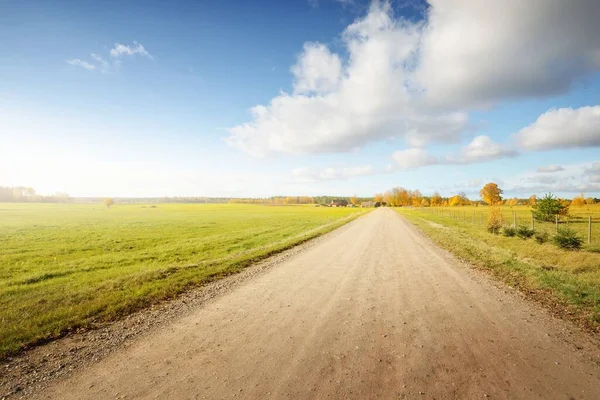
(490, 194)
(22, 194)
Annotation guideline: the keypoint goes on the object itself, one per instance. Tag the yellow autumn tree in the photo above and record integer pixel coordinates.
(578, 201)
(108, 202)
(491, 193)
(436, 200)
(532, 200)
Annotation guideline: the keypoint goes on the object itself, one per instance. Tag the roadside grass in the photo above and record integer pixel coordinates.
(566, 281)
(577, 219)
(69, 266)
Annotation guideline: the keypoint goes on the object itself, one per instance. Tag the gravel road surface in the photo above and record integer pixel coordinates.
(373, 311)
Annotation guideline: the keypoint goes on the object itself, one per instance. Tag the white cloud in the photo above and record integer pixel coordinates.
(317, 70)
(101, 61)
(562, 128)
(413, 158)
(98, 62)
(482, 148)
(550, 168)
(593, 169)
(395, 74)
(593, 172)
(306, 174)
(341, 106)
(137, 48)
(573, 178)
(81, 63)
(478, 52)
(541, 179)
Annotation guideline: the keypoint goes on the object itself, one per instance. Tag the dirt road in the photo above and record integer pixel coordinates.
(373, 311)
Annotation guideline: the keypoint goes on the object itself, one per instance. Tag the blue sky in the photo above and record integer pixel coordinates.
(261, 98)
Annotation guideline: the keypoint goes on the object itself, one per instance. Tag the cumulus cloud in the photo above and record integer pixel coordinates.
(340, 106)
(593, 169)
(81, 63)
(317, 71)
(393, 76)
(474, 53)
(305, 174)
(594, 172)
(573, 178)
(562, 128)
(414, 158)
(550, 168)
(122, 49)
(482, 148)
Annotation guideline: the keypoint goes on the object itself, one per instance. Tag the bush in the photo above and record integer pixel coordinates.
(494, 220)
(509, 231)
(567, 239)
(525, 232)
(542, 237)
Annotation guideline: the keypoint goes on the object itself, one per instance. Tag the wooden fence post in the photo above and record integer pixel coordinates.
(556, 218)
(532, 222)
(589, 230)
(514, 220)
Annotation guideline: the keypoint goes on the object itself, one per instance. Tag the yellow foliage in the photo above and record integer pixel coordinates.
(532, 200)
(491, 193)
(494, 220)
(578, 201)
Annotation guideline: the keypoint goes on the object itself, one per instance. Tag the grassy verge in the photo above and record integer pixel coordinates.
(64, 267)
(566, 281)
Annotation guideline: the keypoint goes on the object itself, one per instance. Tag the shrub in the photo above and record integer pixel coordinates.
(525, 232)
(494, 220)
(509, 231)
(567, 239)
(542, 237)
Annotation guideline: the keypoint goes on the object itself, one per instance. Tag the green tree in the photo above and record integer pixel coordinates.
(548, 207)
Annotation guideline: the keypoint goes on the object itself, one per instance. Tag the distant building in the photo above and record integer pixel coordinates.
(338, 203)
(366, 204)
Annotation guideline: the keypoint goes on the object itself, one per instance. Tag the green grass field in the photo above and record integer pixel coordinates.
(64, 266)
(566, 281)
(577, 219)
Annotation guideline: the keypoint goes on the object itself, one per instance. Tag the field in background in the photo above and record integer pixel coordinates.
(567, 281)
(64, 266)
(577, 220)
